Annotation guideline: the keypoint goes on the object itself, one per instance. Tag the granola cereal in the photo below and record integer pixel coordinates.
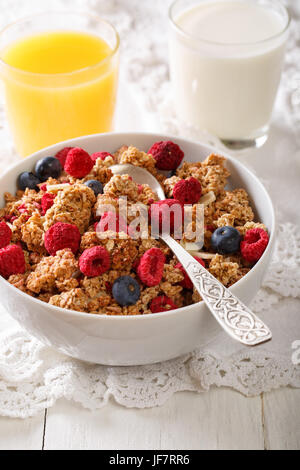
(237, 204)
(136, 157)
(72, 205)
(54, 272)
(211, 173)
(58, 280)
(32, 233)
(122, 185)
(225, 271)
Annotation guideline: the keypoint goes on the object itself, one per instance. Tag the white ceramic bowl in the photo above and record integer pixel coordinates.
(133, 340)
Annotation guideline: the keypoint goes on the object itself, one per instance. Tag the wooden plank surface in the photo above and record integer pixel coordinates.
(282, 419)
(19, 434)
(220, 419)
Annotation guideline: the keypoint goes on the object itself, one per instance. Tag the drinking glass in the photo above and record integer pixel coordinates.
(226, 89)
(45, 108)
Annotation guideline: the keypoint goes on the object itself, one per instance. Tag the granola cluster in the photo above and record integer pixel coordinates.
(58, 279)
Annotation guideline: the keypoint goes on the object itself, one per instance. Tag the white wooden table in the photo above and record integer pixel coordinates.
(219, 419)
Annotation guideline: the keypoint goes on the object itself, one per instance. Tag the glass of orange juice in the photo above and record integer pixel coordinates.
(60, 74)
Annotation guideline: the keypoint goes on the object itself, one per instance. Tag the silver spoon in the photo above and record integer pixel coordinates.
(234, 317)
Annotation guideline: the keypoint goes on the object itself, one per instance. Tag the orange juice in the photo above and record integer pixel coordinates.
(59, 85)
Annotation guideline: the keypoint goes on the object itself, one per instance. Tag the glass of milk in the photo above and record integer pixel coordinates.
(226, 59)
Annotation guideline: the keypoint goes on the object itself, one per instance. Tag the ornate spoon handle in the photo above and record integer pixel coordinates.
(233, 316)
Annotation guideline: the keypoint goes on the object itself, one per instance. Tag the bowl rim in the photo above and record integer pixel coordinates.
(156, 136)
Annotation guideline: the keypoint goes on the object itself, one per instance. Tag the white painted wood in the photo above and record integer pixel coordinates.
(282, 419)
(19, 434)
(220, 419)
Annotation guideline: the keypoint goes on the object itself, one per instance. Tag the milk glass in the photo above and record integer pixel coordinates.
(226, 59)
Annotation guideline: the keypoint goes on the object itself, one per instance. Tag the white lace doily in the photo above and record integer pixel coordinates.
(33, 376)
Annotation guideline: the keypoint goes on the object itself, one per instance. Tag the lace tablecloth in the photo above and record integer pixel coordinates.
(33, 376)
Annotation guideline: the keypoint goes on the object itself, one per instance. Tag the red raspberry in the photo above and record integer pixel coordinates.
(78, 163)
(188, 191)
(62, 155)
(47, 202)
(162, 303)
(101, 155)
(160, 211)
(61, 236)
(23, 209)
(151, 267)
(112, 221)
(12, 261)
(254, 244)
(168, 155)
(94, 261)
(43, 187)
(5, 234)
(187, 283)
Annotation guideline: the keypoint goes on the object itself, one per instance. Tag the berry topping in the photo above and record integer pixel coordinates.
(28, 180)
(61, 236)
(209, 228)
(135, 264)
(254, 244)
(12, 261)
(47, 202)
(126, 291)
(5, 234)
(43, 187)
(188, 191)
(101, 155)
(112, 221)
(23, 208)
(167, 215)
(168, 155)
(78, 163)
(226, 240)
(62, 155)
(94, 261)
(187, 283)
(108, 287)
(162, 303)
(96, 186)
(48, 167)
(151, 267)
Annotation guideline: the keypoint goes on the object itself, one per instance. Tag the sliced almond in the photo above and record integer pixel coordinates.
(207, 198)
(53, 188)
(190, 246)
(203, 255)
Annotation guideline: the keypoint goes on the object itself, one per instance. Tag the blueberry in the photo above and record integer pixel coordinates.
(28, 180)
(96, 186)
(126, 290)
(49, 167)
(226, 240)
